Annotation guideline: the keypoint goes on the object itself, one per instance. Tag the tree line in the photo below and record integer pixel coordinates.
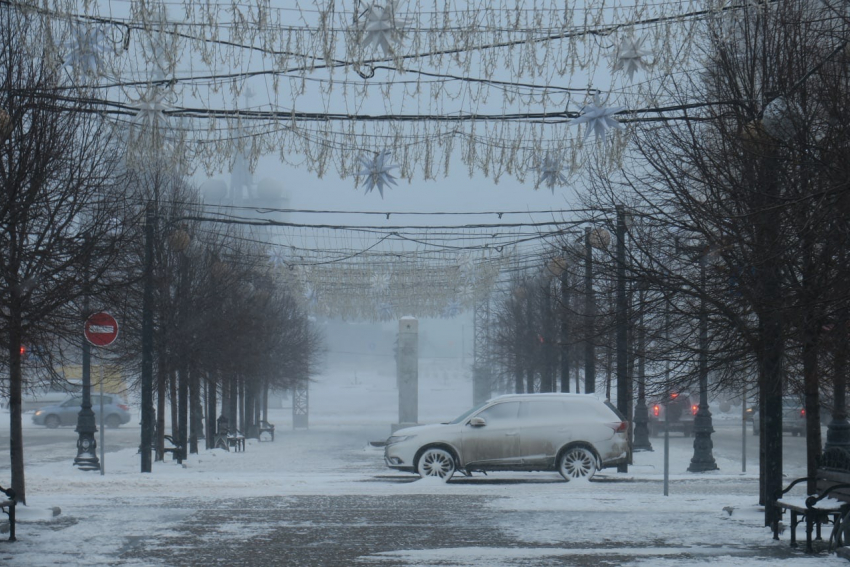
(738, 213)
(73, 212)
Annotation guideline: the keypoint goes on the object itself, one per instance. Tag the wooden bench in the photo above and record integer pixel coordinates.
(266, 427)
(8, 506)
(830, 503)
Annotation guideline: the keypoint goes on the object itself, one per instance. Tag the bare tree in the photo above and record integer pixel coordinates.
(58, 196)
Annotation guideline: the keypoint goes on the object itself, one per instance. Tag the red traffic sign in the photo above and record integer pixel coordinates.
(101, 329)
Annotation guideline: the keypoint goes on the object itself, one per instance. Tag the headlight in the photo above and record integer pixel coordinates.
(38, 412)
(399, 438)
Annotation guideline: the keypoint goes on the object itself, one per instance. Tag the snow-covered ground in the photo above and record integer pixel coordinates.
(627, 521)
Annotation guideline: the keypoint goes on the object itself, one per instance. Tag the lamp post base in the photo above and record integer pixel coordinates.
(86, 459)
(838, 434)
(641, 440)
(703, 459)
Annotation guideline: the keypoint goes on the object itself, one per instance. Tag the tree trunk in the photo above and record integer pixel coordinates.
(183, 408)
(195, 411)
(810, 386)
(161, 379)
(232, 401)
(172, 386)
(211, 412)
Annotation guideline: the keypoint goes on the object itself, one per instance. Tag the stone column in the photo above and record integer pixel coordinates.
(408, 373)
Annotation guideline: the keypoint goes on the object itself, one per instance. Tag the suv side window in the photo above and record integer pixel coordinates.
(506, 411)
(543, 410)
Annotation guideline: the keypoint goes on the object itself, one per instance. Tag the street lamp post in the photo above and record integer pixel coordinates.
(565, 326)
(590, 317)
(147, 344)
(623, 401)
(86, 458)
(703, 459)
(641, 440)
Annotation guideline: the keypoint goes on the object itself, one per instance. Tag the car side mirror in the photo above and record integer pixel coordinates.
(477, 422)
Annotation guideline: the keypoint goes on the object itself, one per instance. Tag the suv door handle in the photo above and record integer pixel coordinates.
(512, 434)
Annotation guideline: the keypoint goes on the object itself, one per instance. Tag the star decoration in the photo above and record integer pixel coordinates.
(377, 172)
(85, 50)
(630, 56)
(598, 118)
(150, 108)
(550, 172)
(381, 28)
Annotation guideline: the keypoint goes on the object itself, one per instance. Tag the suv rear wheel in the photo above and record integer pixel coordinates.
(577, 462)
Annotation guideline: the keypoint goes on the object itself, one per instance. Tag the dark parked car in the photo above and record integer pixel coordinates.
(793, 417)
(678, 410)
(116, 412)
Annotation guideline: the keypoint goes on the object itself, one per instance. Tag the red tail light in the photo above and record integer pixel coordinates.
(802, 413)
(656, 410)
(694, 409)
(619, 426)
(123, 407)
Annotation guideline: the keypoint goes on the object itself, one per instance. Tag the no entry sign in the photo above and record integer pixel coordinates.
(101, 329)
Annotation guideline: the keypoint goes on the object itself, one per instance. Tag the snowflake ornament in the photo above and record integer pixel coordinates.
(630, 56)
(150, 109)
(311, 296)
(466, 264)
(386, 310)
(453, 309)
(380, 283)
(377, 172)
(550, 172)
(598, 118)
(277, 258)
(466, 292)
(381, 28)
(86, 50)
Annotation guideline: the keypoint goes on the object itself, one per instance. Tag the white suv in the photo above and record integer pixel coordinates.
(574, 434)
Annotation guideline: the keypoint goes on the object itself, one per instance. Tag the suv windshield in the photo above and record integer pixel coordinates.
(467, 413)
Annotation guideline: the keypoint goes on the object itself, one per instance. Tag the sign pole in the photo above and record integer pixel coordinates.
(102, 426)
(100, 330)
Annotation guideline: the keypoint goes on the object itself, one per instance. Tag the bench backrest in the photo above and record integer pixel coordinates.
(828, 478)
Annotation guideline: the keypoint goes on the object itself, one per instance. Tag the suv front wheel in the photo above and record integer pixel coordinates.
(577, 462)
(436, 462)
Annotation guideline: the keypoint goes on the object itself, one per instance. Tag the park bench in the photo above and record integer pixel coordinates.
(829, 505)
(236, 440)
(225, 438)
(268, 429)
(8, 507)
(172, 447)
